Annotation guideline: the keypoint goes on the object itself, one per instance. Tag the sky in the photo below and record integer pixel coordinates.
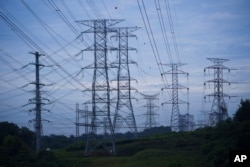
(171, 31)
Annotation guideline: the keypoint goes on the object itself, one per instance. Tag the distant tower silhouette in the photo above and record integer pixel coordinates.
(151, 110)
(186, 122)
(100, 115)
(82, 119)
(124, 112)
(219, 109)
(175, 101)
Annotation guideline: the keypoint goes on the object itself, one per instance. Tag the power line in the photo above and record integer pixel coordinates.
(153, 44)
(163, 30)
(63, 17)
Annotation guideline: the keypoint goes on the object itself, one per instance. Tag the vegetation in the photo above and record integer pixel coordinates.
(157, 147)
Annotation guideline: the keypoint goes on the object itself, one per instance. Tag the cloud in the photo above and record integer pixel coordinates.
(202, 29)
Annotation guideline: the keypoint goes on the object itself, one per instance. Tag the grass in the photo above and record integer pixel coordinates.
(146, 158)
(163, 151)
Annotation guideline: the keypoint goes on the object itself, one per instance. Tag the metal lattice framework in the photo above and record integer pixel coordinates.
(151, 110)
(124, 109)
(175, 101)
(219, 109)
(186, 122)
(100, 115)
(82, 119)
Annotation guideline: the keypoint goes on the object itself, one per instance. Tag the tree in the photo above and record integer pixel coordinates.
(7, 128)
(26, 135)
(243, 113)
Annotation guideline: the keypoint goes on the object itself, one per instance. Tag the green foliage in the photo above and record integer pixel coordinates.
(13, 144)
(145, 154)
(243, 113)
(14, 152)
(26, 135)
(242, 135)
(15, 149)
(7, 128)
(23, 133)
(208, 147)
(77, 146)
(56, 141)
(48, 159)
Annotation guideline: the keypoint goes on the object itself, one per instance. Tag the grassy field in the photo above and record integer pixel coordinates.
(163, 151)
(147, 158)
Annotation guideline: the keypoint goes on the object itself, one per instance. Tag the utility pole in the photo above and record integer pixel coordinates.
(100, 114)
(124, 112)
(37, 101)
(175, 100)
(151, 110)
(38, 105)
(218, 111)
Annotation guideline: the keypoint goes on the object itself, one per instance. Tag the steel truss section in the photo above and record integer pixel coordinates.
(175, 101)
(100, 132)
(218, 110)
(124, 112)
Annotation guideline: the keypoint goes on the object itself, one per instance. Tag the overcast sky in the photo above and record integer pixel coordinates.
(194, 31)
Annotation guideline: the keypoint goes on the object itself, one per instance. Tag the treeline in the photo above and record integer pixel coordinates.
(17, 149)
(211, 144)
(78, 143)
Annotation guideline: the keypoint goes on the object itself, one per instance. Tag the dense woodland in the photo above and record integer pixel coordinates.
(159, 146)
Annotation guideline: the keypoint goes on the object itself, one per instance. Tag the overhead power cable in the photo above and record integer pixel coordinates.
(171, 25)
(163, 30)
(152, 42)
(35, 46)
(63, 17)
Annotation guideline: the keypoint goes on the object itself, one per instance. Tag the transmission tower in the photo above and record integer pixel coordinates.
(82, 119)
(218, 111)
(38, 101)
(124, 109)
(100, 114)
(175, 101)
(186, 122)
(151, 110)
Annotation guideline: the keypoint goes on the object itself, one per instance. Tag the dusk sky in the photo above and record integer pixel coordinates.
(193, 30)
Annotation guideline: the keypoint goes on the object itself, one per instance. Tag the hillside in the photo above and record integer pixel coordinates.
(208, 146)
(203, 147)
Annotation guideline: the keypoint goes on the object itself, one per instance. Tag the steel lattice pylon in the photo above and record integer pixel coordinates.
(123, 103)
(82, 119)
(219, 109)
(151, 110)
(100, 115)
(175, 101)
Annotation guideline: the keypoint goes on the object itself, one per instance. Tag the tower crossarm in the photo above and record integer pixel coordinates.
(218, 80)
(217, 94)
(178, 86)
(108, 22)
